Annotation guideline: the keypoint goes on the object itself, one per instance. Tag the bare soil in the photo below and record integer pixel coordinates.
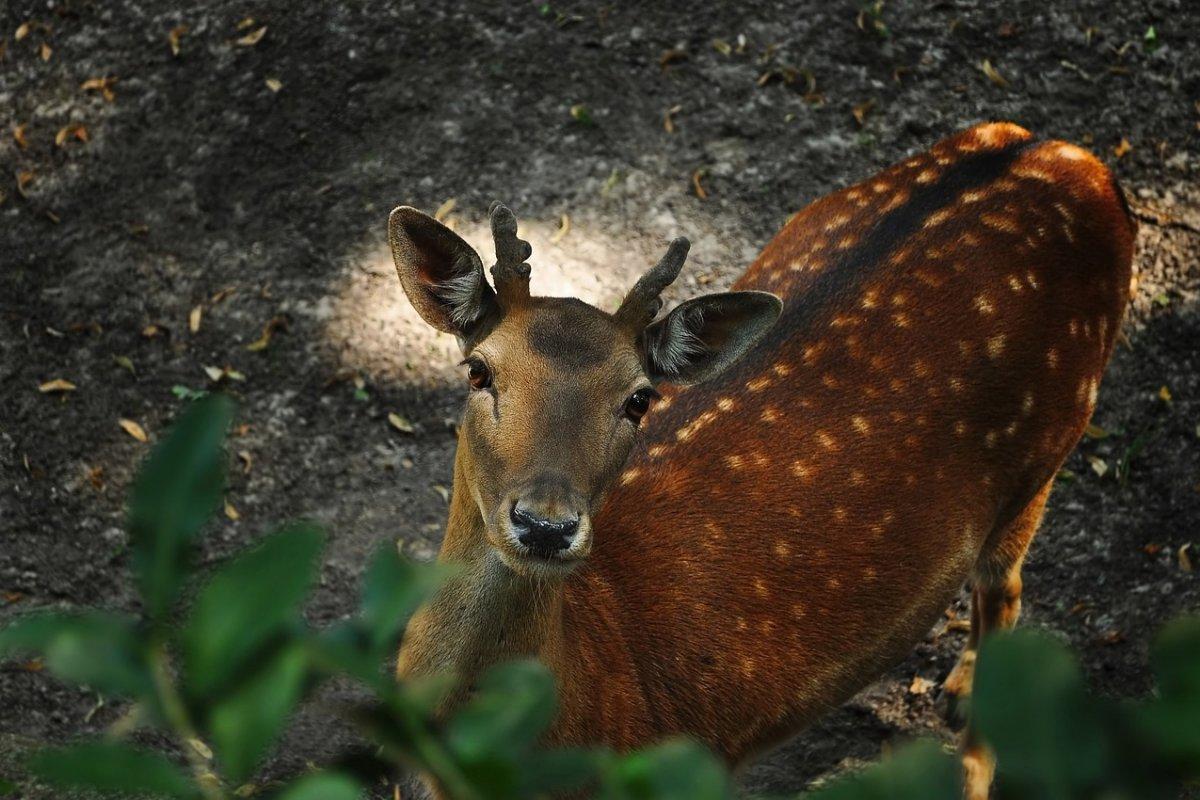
(253, 180)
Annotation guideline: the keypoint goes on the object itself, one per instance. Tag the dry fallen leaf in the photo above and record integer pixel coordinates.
(699, 189)
(247, 461)
(22, 31)
(1122, 148)
(218, 374)
(992, 74)
(1185, 558)
(102, 85)
(1093, 431)
(173, 37)
(1164, 394)
(231, 512)
(269, 329)
(194, 318)
(24, 178)
(444, 209)
(201, 748)
(126, 363)
(222, 294)
(18, 133)
(400, 423)
(442, 492)
(244, 23)
(564, 227)
(45, 52)
(134, 430)
(56, 385)
(1099, 465)
(151, 331)
(723, 47)
(861, 110)
(669, 118)
(253, 38)
(66, 132)
(274, 84)
(920, 685)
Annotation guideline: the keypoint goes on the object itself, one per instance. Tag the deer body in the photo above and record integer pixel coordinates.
(794, 525)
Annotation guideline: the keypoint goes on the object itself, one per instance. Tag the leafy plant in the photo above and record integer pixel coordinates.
(223, 674)
(1054, 740)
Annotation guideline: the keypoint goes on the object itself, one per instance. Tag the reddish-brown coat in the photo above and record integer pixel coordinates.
(793, 527)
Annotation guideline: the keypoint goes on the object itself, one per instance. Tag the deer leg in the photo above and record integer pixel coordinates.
(995, 606)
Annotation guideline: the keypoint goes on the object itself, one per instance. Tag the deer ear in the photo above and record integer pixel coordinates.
(441, 274)
(701, 337)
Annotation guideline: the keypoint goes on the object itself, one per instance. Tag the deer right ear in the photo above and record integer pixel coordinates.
(441, 274)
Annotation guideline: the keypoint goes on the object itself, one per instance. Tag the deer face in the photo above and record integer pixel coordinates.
(558, 388)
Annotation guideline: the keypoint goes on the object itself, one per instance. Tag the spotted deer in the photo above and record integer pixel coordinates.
(721, 524)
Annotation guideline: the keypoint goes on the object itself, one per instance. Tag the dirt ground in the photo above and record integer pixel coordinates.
(250, 174)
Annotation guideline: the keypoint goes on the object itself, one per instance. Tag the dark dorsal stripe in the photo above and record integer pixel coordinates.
(845, 275)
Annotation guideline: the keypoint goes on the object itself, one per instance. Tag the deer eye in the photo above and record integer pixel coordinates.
(638, 404)
(478, 374)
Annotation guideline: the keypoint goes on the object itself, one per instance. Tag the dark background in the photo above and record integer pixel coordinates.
(200, 185)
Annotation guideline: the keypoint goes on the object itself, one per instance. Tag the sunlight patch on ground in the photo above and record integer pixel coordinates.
(373, 329)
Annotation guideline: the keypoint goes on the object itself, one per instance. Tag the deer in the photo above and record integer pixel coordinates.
(724, 521)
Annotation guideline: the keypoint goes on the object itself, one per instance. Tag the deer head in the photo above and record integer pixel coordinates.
(558, 388)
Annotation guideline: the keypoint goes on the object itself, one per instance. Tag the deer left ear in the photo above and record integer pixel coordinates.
(441, 274)
(701, 337)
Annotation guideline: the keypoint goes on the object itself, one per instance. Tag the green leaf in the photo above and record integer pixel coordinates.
(103, 651)
(341, 648)
(1029, 702)
(7, 787)
(674, 770)
(112, 769)
(1173, 719)
(247, 603)
(322, 786)
(175, 492)
(392, 590)
(515, 702)
(246, 722)
(921, 771)
(555, 772)
(1176, 660)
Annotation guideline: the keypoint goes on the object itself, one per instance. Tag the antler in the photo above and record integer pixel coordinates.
(643, 303)
(510, 273)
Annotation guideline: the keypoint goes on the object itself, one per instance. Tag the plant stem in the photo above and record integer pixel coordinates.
(440, 763)
(177, 716)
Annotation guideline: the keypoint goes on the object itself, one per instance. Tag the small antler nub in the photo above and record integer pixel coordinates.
(643, 303)
(510, 273)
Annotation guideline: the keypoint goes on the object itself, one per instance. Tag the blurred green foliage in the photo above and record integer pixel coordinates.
(223, 674)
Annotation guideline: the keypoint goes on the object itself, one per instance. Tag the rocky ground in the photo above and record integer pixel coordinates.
(178, 177)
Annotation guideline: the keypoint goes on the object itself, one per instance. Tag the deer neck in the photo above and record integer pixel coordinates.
(485, 613)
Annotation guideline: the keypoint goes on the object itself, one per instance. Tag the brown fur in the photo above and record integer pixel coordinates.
(791, 528)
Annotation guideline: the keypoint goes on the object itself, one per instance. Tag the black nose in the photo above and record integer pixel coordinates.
(543, 537)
